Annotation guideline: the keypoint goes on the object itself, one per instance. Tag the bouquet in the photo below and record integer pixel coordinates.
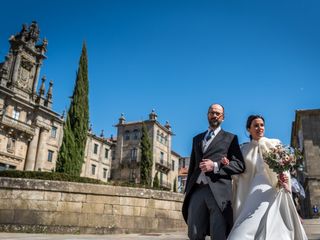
(281, 158)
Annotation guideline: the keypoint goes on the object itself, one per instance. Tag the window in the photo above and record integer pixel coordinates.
(161, 157)
(182, 163)
(95, 148)
(11, 144)
(6, 166)
(50, 156)
(172, 165)
(133, 154)
(106, 153)
(105, 173)
(113, 155)
(135, 134)
(15, 114)
(53, 132)
(127, 135)
(158, 136)
(93, 169)
(161, 137)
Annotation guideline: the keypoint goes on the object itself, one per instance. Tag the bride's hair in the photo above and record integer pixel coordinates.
(249, 121)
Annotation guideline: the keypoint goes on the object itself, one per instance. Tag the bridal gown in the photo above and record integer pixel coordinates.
(261, 211)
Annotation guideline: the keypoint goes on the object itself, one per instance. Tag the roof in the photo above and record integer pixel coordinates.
(175, 153)
(183, 171)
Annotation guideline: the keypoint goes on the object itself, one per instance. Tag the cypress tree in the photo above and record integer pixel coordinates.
(66, 152)
(146, 158)
(156, 182)
(71, 154)
(175, 185)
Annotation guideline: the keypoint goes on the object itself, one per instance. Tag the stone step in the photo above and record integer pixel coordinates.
(312, 228)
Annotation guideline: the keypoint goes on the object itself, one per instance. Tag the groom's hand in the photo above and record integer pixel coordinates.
(206, 165)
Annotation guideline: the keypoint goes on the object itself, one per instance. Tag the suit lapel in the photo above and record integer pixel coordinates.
(199, 144)
(215, 140)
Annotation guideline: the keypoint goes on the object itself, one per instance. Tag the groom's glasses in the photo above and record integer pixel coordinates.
(218, 114)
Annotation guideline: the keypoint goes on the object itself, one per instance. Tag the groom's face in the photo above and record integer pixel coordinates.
(215, 115)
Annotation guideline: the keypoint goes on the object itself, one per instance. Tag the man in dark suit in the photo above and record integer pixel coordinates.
(215, 157)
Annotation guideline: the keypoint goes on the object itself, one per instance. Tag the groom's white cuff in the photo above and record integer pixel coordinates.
(216, 167)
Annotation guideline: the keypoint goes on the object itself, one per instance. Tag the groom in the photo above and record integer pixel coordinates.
(207, 205)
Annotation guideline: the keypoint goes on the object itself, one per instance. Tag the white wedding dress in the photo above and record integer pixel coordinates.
(261, 211)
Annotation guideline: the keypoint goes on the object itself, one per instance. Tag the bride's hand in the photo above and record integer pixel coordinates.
(284, 182)
(225, 161)
(283, 178)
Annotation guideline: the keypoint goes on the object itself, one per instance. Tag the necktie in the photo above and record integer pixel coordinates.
(209, 135)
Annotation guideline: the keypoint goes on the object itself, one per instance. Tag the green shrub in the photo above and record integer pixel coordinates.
(55, 176)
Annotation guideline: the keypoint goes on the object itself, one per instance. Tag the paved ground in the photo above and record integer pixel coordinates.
(26, 236)
(151, 236)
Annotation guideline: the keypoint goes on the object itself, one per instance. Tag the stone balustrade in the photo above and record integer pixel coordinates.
(16, 124)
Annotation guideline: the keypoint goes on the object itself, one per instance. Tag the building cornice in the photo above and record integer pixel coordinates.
(100, 139)
(30, 104)
(147, 122)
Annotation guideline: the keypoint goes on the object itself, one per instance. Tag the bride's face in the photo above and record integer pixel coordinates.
(256, 129)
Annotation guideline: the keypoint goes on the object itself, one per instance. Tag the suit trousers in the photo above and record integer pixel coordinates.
(204, 215)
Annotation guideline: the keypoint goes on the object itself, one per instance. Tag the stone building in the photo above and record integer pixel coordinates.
(306, 136)
(30, 131)
(183, 173)
(175, 158)
(98, 157)
(125, 166)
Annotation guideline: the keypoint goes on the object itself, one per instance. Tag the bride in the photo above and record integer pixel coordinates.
(261, 211)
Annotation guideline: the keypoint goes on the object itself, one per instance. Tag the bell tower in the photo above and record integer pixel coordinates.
(21, 69)
(30, 131)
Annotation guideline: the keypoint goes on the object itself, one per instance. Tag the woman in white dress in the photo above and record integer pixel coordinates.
(261, 210)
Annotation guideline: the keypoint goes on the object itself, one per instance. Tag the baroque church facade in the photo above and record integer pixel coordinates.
(31, 132)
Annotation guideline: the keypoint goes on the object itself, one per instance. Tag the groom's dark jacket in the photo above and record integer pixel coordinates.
(224, 144)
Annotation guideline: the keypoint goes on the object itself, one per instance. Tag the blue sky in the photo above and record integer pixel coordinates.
(178, 57)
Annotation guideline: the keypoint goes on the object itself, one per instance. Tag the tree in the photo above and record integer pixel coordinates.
(156, 182)
(175, 185)
(146, 158)
(71, 154)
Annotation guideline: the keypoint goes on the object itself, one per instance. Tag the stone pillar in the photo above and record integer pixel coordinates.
(32, 152)
(36, 77)
(42, 149)
(16, 68)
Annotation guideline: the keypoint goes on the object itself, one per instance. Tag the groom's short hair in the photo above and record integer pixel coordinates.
(216, 104)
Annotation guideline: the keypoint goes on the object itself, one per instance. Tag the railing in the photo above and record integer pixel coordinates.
(163, 166)
(16, 124)
(165, 184)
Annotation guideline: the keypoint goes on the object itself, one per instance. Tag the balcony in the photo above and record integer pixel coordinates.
(15, 124)
(166, 185)
(163, 166)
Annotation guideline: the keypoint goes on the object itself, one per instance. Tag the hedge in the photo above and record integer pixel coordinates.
(57, 176)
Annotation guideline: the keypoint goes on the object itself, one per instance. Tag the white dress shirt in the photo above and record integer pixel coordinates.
(205, 144)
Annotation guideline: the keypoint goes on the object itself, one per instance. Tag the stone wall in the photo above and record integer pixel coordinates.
(62, 207)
